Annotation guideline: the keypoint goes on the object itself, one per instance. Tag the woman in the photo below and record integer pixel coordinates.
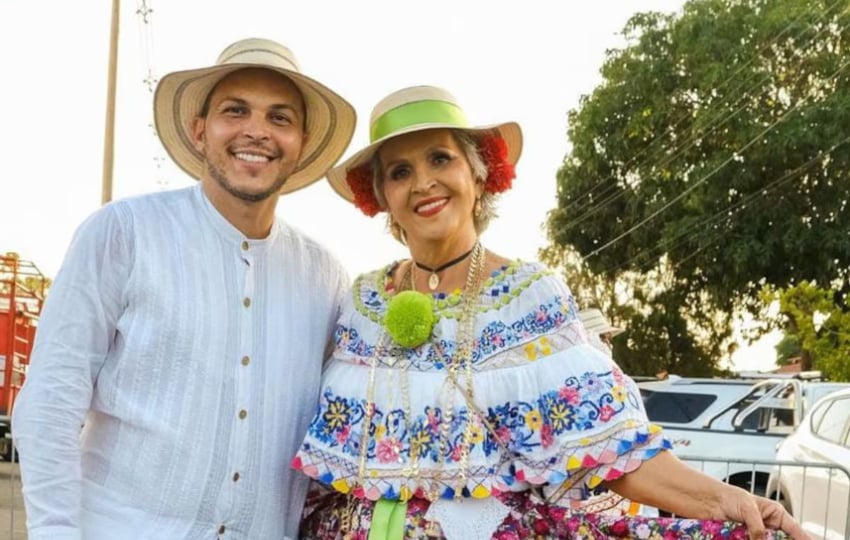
(462, 399)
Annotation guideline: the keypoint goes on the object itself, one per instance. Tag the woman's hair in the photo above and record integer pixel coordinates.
(468, 143)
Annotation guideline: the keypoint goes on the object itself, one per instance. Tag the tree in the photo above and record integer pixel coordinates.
(660, 333)
(788, 349)
(821, 330)
(718, 146)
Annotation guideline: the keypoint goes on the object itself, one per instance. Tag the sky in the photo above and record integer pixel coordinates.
(503, 60)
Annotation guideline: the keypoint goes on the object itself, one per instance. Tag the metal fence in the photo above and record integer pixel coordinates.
(12, 519)
(816, 494)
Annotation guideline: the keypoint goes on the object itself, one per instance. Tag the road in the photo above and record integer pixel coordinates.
(12, 519)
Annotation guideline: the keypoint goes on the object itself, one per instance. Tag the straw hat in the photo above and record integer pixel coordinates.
(596, 323)
(180, 96)
(417, 108)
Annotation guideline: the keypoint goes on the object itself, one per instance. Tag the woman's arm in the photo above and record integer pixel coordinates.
(666, 482)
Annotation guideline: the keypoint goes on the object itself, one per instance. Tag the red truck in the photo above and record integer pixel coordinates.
(22, 289)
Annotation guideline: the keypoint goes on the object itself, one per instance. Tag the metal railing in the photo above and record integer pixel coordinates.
(12, 518)
(823, 509)
(816, 494)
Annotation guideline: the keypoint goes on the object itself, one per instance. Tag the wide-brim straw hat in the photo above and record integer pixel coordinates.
(596, 323)
(179, 96)
(418, 108)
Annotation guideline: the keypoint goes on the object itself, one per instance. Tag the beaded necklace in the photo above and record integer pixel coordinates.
(460, 363)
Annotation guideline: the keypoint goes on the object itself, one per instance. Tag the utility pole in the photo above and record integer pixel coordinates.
(109, 131)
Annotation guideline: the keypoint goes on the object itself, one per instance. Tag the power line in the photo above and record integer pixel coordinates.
(672, 129)
(729, 212)
(713, 124)
(702, 180)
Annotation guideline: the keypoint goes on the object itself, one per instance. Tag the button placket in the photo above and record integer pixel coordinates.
(243, 374)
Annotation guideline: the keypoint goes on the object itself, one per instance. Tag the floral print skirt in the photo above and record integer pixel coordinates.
(327, 514)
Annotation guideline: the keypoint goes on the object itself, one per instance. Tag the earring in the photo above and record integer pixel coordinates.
(396, 230)
(476, 211)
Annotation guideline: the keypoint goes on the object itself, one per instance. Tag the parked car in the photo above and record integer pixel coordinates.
(729, 428)
(816, 487)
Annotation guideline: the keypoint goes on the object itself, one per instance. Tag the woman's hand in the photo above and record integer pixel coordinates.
(667, 483)
(759, 514)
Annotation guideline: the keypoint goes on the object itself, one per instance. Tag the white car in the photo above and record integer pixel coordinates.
(730, 428)
(814, 481)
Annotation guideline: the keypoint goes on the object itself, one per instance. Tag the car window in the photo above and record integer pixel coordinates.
(675, 407)
(831, 426)
(817, 415)
(815, 390)
(776, 413)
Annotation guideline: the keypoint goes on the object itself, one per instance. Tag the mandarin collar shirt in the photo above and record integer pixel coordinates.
(175, 370)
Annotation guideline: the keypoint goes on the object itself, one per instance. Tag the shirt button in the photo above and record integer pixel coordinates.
(246, 360)
(242, 414)
(244, 245)
(236, 477)
(246, 302)
(221, 530)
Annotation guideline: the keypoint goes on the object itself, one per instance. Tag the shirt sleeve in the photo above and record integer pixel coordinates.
(75, 333)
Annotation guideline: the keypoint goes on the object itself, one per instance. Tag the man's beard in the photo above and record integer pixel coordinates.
(219, 176)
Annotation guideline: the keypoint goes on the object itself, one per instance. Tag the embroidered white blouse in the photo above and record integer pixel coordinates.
(548, 409)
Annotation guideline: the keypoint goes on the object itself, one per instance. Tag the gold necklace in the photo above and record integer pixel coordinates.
(461, 360)
(463, 357)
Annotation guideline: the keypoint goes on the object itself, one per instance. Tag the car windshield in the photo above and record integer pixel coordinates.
(675, 407)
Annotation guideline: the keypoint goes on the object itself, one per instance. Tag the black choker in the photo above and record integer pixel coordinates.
(434, 279)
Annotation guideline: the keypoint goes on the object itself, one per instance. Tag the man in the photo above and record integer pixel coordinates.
(185, 331)
(600, 332)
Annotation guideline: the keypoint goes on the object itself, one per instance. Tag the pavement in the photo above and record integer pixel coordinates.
(12, 518)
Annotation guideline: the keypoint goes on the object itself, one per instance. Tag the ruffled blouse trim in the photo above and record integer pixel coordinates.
(574, 476)
(565, 420)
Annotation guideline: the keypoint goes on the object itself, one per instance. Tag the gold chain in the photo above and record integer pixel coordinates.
(406, 283)
(463, 357)
(462, 360)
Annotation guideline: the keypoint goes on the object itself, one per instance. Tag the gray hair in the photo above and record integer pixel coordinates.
(469, 145)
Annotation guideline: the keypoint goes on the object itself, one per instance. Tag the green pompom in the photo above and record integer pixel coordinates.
(410, 318)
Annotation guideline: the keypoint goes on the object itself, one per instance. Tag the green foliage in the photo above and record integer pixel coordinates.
(717, 146)
(661, 332)
(788, 349)
(821, 328)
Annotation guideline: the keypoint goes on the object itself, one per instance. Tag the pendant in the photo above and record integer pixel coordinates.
(433, 281)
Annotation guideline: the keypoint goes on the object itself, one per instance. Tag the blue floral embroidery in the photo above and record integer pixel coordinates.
(495, 337)
(578, 404)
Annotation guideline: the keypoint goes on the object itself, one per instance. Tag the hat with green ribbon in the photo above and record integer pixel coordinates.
(412, 109)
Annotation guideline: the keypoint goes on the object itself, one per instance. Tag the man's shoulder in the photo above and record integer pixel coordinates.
(157, 198)
(150, 206)
(146, 202)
